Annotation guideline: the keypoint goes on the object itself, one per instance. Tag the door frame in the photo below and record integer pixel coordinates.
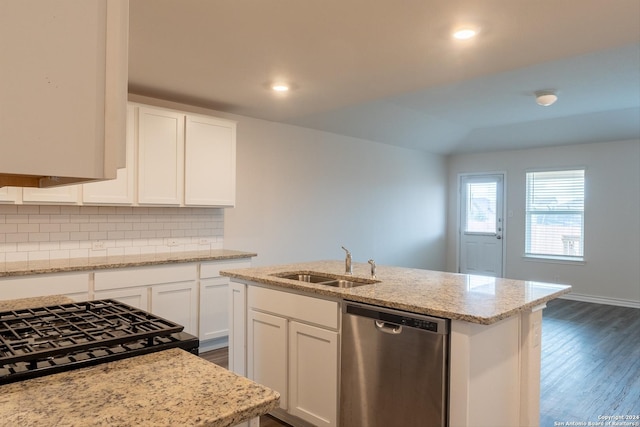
(504, 215)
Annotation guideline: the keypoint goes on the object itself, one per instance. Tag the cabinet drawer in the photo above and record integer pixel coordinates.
(212, 269)
(308, 309)
(43, 285)
(144, 276)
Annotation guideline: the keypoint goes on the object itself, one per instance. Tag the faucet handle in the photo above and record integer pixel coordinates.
(373, 268)
(346, 250)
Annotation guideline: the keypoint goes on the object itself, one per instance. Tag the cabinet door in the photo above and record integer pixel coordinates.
(177, 302)
(267, 352)
(67, 194)
(238, 328)
(73, 285)
(313, 374)
(214, 322)
(135, 297)
(117, 191)
(210, 161)
(8, 194)
(160, 156)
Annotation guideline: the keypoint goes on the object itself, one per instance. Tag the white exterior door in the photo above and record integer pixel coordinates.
(481, 224)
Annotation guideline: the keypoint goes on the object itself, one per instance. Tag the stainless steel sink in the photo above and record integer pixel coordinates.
(320, 279)
(309, 278)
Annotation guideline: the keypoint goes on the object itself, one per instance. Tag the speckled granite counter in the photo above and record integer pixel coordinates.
(168, 388)
(20, 304)
(475, 299)
(82, 264)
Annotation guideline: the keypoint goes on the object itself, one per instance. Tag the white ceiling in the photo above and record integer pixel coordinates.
(388, 70)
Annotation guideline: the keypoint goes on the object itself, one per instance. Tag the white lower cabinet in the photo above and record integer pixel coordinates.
(267, 349)
(292, 347)
(213, 308)
(313, 373)
(238, 328)
(72, 285)
(177, 302)
(169, 291)
(135, 297)
(215, 302)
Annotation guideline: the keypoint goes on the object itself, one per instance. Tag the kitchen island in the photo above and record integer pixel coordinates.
(495, 332)
(166, 388)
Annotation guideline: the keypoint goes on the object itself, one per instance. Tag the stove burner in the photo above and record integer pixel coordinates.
(39, 341)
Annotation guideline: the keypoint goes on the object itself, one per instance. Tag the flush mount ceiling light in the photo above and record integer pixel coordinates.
(546, 97)
(465, 33)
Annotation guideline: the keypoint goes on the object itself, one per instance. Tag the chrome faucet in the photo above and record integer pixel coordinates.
(347, 262)
(373, 268)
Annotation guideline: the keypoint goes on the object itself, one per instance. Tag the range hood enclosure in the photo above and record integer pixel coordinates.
(63, 91)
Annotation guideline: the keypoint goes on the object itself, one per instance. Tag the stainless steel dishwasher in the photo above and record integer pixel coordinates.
(394, 368)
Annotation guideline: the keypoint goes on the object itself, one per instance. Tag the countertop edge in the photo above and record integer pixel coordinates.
(285, 284)
(84, 264)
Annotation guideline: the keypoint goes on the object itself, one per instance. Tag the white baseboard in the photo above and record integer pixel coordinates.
(213, 344)
(602, 300)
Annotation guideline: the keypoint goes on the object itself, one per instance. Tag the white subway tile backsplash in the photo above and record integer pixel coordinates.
(28, 228)
(39, 233)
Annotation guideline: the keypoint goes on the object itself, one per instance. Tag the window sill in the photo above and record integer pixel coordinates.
(555, 259)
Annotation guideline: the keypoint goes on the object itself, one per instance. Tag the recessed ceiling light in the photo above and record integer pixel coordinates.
(465, 33)
(280, 87)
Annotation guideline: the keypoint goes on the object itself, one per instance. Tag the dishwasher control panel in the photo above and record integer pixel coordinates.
(418, 321)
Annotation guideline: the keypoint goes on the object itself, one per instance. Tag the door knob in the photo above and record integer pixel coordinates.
(498, 237)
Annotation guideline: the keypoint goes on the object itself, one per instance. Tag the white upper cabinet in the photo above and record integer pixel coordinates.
(210, 162)
(68, 194)
(8, 194)
(63, 86)
(119, 191)
(185, 159)
(160, 156)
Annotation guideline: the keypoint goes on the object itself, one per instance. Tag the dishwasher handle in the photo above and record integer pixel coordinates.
(399, 319)
(388, 328)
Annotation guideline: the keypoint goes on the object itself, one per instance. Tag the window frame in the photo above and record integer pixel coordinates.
(528, 213)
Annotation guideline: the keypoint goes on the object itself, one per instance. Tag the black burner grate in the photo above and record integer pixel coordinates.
(40, 335)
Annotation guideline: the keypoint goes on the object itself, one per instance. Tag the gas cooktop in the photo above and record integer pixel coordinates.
(45, 340)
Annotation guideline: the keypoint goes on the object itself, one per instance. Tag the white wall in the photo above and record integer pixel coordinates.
(611, 271)
(302, 193)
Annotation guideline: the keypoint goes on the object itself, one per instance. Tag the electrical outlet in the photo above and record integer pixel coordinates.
(98, 245)
(172, 242)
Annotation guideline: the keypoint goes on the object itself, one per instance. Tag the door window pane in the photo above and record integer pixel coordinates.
(481, 207)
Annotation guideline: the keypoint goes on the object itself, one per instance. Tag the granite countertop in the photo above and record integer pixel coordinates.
(23, 303)
(82, 264)
(475, 299)
(167, 388)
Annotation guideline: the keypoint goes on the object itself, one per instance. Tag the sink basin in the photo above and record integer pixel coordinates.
(309, 278)
(344, 283)
(320, 279)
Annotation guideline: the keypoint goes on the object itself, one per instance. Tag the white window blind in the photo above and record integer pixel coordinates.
(555, 214)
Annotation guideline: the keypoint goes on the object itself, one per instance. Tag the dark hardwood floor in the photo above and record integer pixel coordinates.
(590, 363)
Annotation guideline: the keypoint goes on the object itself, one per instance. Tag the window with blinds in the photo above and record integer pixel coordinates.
(555, 214)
